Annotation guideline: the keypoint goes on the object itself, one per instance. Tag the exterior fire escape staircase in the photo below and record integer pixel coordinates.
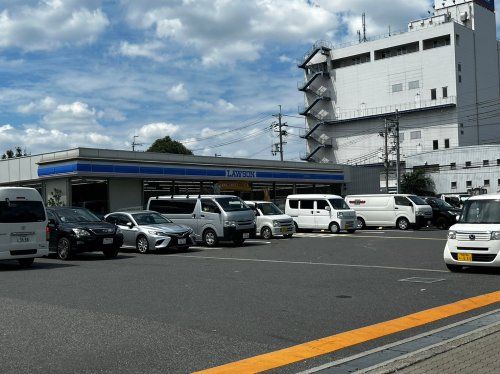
(322, 47)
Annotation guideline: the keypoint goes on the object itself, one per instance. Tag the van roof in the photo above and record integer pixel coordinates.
(382, 195)
(314, 196)
(493, 196)
(14, 192)
(190, 196)
(257, 202)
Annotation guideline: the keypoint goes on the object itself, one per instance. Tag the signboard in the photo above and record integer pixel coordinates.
(234, 186)
(240, 174)
(488, 4)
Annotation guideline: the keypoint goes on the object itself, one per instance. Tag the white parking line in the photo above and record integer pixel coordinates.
(309, 263)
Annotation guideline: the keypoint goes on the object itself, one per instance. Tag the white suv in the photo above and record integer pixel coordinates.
(475, 239)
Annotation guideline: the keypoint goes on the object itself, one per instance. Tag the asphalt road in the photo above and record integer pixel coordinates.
(180, 312)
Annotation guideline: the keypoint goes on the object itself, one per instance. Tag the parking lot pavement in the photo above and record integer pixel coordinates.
(181, 312)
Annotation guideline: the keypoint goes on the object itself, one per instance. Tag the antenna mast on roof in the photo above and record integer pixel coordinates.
(364, 28)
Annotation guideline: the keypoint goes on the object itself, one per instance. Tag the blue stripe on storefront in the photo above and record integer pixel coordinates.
(109, 169)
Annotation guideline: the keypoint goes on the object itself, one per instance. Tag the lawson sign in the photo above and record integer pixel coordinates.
(241, 174)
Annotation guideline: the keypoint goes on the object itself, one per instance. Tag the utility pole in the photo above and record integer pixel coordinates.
(278, 147)
(398, 154)
(386, 156)
(392, 129)
(134, 143)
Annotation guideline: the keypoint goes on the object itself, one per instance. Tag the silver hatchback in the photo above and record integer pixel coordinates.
(147, 231)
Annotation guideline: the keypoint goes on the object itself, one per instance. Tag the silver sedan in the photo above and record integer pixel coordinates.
(148, 230)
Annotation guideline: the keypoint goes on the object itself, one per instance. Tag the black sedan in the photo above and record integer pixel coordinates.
(74, 230)
(444, 215)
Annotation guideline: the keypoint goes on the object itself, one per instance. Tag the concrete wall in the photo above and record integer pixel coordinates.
(363, 180)
(19, 169)
(125, 193)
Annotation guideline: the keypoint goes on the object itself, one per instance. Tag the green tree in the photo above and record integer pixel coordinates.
(9, 153)
(418, 183)
(167, 145)
(55, 198)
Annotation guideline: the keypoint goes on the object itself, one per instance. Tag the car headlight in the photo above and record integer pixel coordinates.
(157, 233)
(420, 213)
(495, 235)
(452, 234)
(276, 224)
(340, 215)
(118, 231)
(190, 231)
(81, 232)
(230, 223)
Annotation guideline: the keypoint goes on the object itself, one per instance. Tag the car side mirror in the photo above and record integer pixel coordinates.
(327, 208)
(457, 218)
(130, 225)
(52, 222)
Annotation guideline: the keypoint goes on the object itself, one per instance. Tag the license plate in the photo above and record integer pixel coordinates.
(107, 241)
(284, 229)
(23, 239)
(246, 235)
(181, 241)
(465, 257)
(348, 226)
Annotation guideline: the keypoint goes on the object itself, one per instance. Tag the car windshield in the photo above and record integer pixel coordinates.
(417, 200)
(232, 204)
(150, 219)
(21, 211)
(339, 204)
(442, 204)
(269, 209)
(76, 215)
(481, 211)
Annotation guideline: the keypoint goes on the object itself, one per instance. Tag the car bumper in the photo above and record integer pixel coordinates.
(24, 253)
(423, 221)
(94, 244)
(164, 242)
(283, 230)
(348, 223)
(231, 233)
(486, 254)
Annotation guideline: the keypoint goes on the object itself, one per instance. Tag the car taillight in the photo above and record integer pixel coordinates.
(47, 233)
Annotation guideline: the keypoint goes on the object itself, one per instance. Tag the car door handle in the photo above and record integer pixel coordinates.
(396, 208)
(202, 216)
(312, 211)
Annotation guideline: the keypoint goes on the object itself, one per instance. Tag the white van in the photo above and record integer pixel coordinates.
(23, 225)
(320, 212)
(475, 239)
(271, 221)
(401, 211)
(212, 217)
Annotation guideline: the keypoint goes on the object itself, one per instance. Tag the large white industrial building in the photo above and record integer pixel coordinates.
(441, 77)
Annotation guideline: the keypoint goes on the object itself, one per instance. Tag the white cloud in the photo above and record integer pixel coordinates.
(43, 105)
(146, 50)
(178, 92)
(225, 106)
(50, 24)
(74, 115)
(5, 128)
(153, 131)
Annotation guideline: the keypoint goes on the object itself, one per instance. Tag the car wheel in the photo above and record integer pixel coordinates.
(334, 228)
(454, 268)
(403, 224)
(266, 233)
(25, 262)
(296, 226)
(360, 223)
(441, 224)
(110, 252)
(210, 238)
(64, 251)
(142, 245)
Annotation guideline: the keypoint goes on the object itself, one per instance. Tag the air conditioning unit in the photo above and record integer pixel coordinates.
(464, 16)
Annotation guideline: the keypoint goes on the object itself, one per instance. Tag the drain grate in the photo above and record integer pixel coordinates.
(422, 280)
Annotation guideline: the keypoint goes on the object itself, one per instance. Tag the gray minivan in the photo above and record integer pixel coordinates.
(213, 218)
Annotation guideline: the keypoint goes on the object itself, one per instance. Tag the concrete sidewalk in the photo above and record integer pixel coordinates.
(478, 352)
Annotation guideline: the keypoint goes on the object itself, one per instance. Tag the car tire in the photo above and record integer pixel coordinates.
(110, 252)
(454, 268)
(360, 223)
(441, 224)
(266, 233)
(26, 262)
(334, 228)
(296, 226)
(64, 251)
(142, 245)
(210, 238)
(403, 224)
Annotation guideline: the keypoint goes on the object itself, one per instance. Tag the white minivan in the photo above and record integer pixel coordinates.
(320, 212)
(475, 239)
(401, 211)
(23, 225)
(271, 221)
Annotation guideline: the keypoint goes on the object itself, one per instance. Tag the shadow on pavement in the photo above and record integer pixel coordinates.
(12, 265)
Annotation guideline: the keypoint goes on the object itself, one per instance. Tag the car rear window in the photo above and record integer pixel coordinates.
(21, 211)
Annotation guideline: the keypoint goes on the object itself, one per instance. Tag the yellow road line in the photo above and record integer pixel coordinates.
(333, 343)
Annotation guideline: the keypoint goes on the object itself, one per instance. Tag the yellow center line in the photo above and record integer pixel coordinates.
(343, 340)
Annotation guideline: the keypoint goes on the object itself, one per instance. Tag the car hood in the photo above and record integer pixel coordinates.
(168, 228)
(475, 227)
(278, 217)
(88, 225)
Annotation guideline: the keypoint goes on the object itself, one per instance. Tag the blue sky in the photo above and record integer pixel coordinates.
(94, 73)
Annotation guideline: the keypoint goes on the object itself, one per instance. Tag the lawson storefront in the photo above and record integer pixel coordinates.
(109, 180)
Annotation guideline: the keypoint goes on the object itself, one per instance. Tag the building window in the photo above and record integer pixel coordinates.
(499, 183)
(401, 137)
(469, 184)
(453, 166)
(457, 39)
(498, 161)
(445, 91)
(459, 79)
(397, 87)
(415, 135)
(414, 85)
(461, 132)
(468, 164)
(486, 163)
(435, 144)
(453, 185)
(459, 68)
(433, 94)
(447, 143)
(486, 183)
